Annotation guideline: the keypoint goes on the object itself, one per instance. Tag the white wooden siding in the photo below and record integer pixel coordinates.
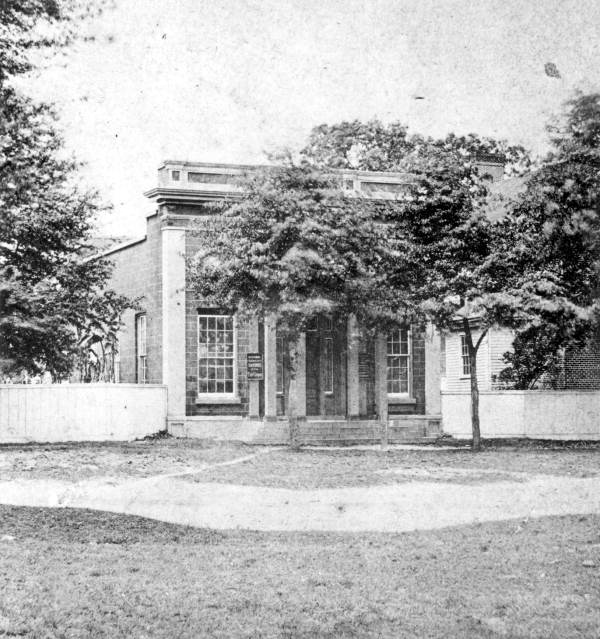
(455, 380)
(80, 412)
(489, 359)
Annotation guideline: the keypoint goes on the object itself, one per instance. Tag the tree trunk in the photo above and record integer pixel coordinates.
(292, 393)
(472, 351)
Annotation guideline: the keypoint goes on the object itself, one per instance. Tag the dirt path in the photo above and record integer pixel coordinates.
(409, 506)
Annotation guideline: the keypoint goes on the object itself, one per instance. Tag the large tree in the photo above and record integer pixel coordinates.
(50, 292)
(442, 241)
(534, 267)
(375, 146)
(295, 247)
(550, 238)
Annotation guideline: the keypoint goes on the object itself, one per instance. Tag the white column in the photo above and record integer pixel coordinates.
(433, 375)
(352, 377)
(270, 368)
(253, 386)
(301, 377)
(173, 318)
(381, 385)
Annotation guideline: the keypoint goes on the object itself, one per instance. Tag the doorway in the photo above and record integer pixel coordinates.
(326, 367)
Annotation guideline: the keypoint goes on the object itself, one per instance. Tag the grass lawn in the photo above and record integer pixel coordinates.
(312, 469)
(78, 573)
(73, 462)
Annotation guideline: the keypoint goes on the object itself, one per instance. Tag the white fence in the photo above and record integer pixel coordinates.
(566, 415)
(80, 412)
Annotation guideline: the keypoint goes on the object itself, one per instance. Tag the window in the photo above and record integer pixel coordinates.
(175, 176)
(140, 349)
(464, 352)
(216, 355)
(398, 362)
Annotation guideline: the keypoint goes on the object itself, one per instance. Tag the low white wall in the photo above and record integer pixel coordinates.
(544, 414)
(80, 412)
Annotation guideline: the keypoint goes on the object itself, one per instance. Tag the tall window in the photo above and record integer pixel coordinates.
(398, 362)
(216, 355)
(464, 352)
(140, 349)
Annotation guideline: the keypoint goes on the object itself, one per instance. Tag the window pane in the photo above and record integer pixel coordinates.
(398, 362)
(216, 362)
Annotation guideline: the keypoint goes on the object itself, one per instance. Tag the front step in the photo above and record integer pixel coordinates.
(409, 429)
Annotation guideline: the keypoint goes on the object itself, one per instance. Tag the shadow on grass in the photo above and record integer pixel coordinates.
(76, 573)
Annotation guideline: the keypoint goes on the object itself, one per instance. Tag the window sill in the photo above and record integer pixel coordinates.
(401, 399)
(218, 399)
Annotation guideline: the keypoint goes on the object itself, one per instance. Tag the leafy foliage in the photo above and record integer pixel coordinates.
(536, 353)
(33, 25)
(297, 247)
(550, 241)
(51, 295)
(374, 146)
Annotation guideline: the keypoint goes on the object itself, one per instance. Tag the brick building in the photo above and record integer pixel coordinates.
(226, 379)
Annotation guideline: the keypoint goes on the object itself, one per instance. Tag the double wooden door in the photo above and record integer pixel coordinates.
(326, 367)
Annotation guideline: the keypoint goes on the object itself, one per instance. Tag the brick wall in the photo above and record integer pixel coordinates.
(137, 274)
(191, 349)
(582, 368)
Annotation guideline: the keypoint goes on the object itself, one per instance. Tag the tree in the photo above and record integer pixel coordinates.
(442, 240)
(535, 270)
(374, 146)
(552, 237)
(536, 354)
(445, 239)
(294, 247)
(370, 146)
(49, 289)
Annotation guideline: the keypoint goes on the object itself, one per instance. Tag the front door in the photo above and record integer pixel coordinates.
(326, 367)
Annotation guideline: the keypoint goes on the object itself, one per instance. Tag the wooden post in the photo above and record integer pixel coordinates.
(433, 375)
(270, 384)
(352, 377)
(381, 387)
(253, 393)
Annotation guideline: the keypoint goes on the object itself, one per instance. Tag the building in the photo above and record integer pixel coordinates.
(227, 379)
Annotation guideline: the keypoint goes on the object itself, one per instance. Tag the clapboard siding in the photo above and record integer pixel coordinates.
(455, 380)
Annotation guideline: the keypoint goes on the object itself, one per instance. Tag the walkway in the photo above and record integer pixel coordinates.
(417, 505)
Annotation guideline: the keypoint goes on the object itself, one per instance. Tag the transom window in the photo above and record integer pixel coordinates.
(398, 362)
(216, 355)
(464, 351)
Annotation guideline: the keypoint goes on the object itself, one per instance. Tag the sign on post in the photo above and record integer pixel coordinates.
(255, 367)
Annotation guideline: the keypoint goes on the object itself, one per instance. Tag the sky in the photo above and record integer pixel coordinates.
(229, 81)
